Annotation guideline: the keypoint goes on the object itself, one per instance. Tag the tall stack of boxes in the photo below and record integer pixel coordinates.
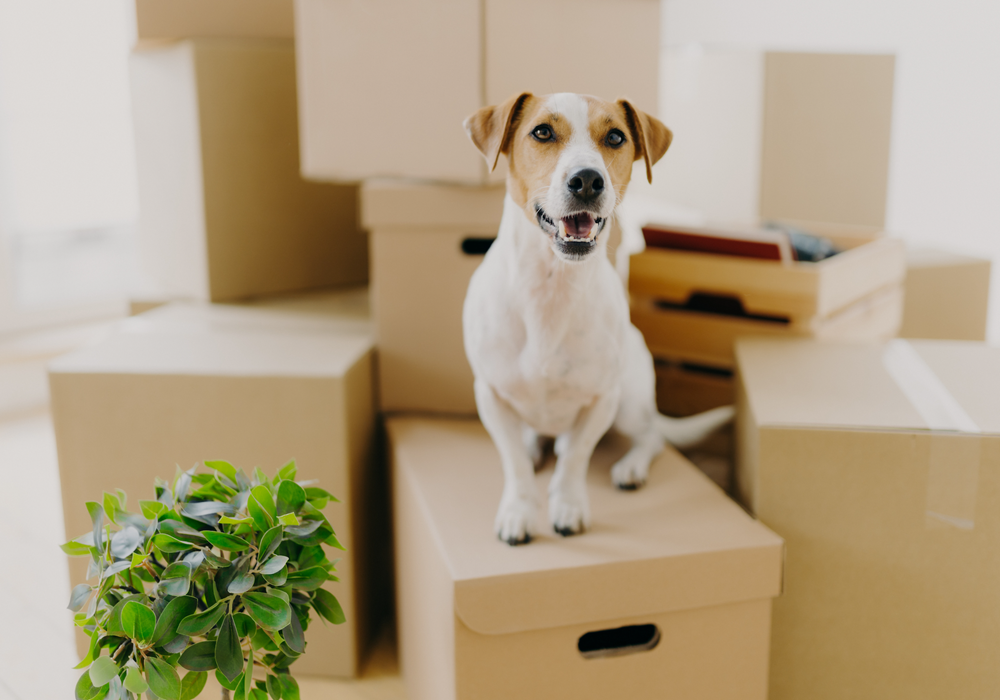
(866, 465)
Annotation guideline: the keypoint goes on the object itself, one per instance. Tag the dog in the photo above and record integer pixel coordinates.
(546, 316)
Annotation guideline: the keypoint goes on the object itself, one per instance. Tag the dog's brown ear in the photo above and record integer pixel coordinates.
(651, 137)
(490, 128)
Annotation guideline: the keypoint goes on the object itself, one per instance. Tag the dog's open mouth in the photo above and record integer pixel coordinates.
(581, 227)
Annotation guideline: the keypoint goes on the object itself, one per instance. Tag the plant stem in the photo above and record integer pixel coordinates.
(225, 694)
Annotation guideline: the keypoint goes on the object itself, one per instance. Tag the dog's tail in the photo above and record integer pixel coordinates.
(689, 431)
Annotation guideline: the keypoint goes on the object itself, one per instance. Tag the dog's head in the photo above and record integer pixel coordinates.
(570, 159)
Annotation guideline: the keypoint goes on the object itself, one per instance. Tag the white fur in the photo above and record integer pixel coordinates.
(554, 354)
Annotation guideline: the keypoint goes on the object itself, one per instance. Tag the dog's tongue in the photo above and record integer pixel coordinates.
(578, 225)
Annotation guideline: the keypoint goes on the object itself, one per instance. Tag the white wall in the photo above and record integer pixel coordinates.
(944, 176)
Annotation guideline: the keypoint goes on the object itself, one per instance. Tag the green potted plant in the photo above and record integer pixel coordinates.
(219, 573)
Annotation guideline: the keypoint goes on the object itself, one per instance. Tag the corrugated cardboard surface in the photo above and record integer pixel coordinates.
(891, 579)
(224, 212)
(946, 295)
(481, 54)
(678, 552)
(827, 125)
(171, 19)
(254, 388)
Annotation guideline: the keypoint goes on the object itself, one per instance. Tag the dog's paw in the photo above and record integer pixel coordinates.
(569, 514)
(515, 522)
(630, 472)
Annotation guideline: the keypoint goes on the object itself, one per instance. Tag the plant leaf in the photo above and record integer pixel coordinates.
(227, 520)
(228, 654)
(75, 549)
(192, 685)
(288, 518)
(138, 622)
(176, 645)
(169, 543)
(308, 528)
(288, 471)
(115, 568)
(102, 671)
(170, 619)
(262, 521)
(134, 682)
(207, 508)
(200, 623)
(327, 605)
(278, 579)
(152, 509)
(224, 468)
(138, 560)
(97, 518)
(269, 611)
(273, 687)
(199, 657)
(308, 579)
(163, 679)
(274, 565)
(79, 596)
(293, 634)
(291, 496)
(85, 690)
(225, 682)
(270, 541)
(230, 543)
(91, 652)
(113, 624)
(334, 542)
(124, 542)
(111, 503)
(244, 624)
(289, 687)
(314, 493)
(241, 583)
(179, 529)
(174, 586)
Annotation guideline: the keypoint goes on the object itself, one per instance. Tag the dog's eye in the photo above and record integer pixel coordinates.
(614, 138)
(542, 132)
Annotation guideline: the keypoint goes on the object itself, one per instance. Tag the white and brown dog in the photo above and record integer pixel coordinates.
(546, 317)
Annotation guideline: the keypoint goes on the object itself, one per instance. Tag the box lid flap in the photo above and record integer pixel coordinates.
(678, 543)
(901, 385)
(316, 336)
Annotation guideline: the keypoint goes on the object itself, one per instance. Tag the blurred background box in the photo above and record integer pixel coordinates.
(255, 386)
(385, 86)
(175, 19)
(878, 464)
(480, 619)
(224, 212)
(947, 295)
(774, 135)
(426, 241)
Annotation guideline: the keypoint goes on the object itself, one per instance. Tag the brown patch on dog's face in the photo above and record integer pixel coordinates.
(570, 159)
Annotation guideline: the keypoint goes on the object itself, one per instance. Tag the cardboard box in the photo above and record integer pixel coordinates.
(947, 295)
(879, 467)
(707, 338)
(436, 62)
(778, 135)
(224, 213)
(181, 19)
(426, 241)
(479, 619)
(254, 386)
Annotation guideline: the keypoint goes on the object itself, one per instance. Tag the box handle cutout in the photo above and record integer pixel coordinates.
(618, 641)
(476, 246)
(719, 305)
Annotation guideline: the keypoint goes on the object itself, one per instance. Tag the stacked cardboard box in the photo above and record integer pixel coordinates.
(253, 385)
(946, 295)
(224, 213)
(672, 583)
(878, 465)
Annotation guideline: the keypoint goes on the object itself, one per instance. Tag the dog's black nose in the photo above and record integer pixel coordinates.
(587, 184)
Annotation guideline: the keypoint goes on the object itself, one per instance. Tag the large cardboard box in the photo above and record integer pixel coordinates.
(947, 295)
(253, 386)
(667, 595)
(224, 213)
(411, 72)
(766, 134)
(176, 19)
(880, 466)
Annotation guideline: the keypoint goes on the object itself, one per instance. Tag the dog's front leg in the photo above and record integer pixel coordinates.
(569, 507)
(518, 515)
